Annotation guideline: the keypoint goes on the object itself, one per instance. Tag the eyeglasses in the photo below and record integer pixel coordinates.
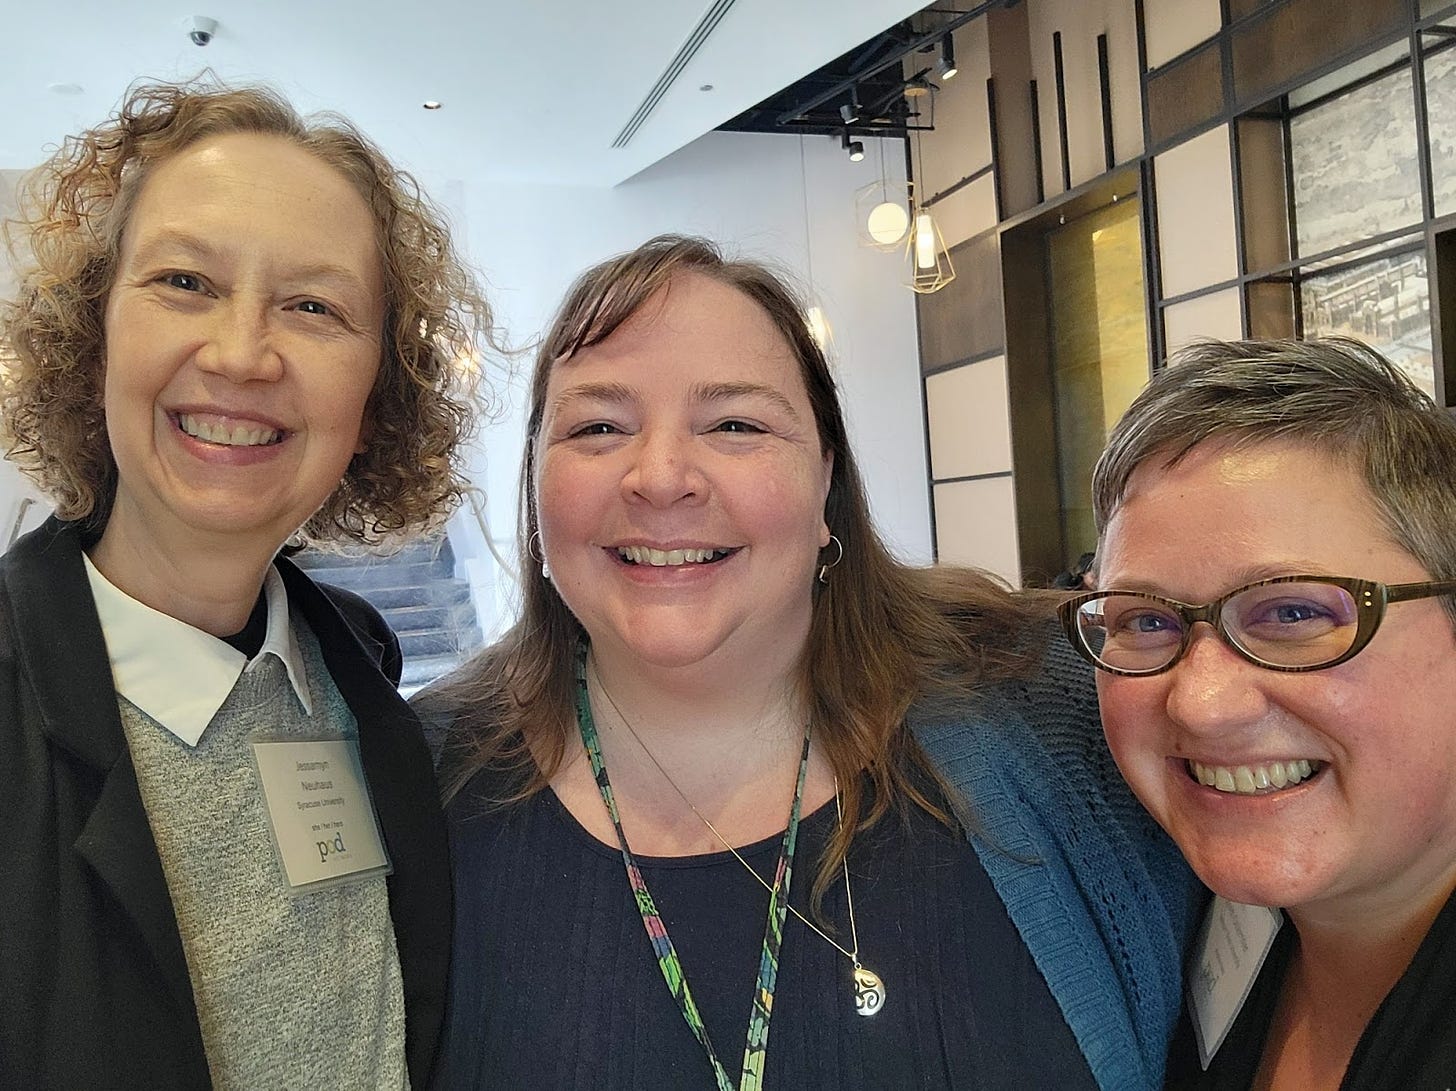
(1290, 623)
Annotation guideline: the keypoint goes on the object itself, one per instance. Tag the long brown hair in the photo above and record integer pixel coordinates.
(884, 635)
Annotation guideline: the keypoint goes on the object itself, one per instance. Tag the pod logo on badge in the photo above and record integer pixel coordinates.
(331, 848)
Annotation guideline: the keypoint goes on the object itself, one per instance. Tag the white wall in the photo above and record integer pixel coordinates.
(15, 489)
(780, 198)
(748, 192)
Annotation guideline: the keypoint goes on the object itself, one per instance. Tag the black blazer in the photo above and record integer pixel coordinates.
(94, 991)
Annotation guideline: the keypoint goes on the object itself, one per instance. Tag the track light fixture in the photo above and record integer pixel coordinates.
(854, 147)
(849, 111)
(947, 67)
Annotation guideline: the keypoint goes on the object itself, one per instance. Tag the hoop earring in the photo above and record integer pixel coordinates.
(533, 550)
(824, 569)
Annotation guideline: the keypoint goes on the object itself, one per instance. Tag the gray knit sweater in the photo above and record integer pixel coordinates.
(291, 991)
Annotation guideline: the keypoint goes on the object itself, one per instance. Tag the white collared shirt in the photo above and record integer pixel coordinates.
(178, 675)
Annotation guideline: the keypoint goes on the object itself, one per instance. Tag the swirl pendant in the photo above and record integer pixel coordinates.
(869, 991)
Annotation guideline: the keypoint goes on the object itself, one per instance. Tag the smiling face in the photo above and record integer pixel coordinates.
(243, 336)
(680, 486)
(1373, 828)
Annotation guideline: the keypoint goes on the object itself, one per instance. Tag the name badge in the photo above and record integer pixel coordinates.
(324, 825)
(1232, 945)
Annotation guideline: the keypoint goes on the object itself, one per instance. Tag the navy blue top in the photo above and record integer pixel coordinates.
(1409, 1043)
(554, 984)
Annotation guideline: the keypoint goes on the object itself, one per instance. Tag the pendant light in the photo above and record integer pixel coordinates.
(930, 267)
(882, 210)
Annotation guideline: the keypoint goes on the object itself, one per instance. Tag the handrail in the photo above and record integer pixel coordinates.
(508, 567)
(25, 503)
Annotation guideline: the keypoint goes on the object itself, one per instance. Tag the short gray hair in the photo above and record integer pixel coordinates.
(1335, 395)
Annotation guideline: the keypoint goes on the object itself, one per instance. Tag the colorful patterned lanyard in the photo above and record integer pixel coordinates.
(672, 972)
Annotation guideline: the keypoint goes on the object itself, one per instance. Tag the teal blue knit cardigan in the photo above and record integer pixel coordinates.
(1100, 894)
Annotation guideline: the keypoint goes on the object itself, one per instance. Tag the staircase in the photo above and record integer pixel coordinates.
(417, 592)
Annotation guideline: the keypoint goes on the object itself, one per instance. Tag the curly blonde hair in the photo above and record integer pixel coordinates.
(73, 209)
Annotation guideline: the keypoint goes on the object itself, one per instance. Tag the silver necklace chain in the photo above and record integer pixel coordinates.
(869, 989)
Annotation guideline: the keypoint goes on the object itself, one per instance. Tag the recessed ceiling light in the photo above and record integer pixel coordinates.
(65, 88)
(431, 104)
(706, 87)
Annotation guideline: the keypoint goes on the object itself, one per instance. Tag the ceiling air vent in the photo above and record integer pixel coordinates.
(689, 49)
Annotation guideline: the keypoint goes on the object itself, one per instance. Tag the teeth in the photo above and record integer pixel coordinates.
(1247, 780)
(660, 558)
(235, 435)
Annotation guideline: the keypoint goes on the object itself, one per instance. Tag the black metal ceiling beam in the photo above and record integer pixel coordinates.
(929, 38)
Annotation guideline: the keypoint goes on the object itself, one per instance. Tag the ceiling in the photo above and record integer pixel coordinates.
(532, 92)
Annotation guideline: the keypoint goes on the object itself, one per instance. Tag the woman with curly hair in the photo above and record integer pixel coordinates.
(221, 857)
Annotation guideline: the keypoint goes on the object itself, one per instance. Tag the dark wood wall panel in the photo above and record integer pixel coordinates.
(1186, 94)
(1271, 309)
(1274, 50)
(963, 320)
(1032, 403)
(1263, 193)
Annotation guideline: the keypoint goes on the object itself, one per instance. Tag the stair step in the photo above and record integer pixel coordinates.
(364, 578)
(416, 590)
(420, 672)
(435, 593)
(426, 642)
(411, 619)
(423, 551)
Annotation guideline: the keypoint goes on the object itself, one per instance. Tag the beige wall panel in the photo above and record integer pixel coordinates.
(1214, 315)
(1195, 197)
(1120, 25)
(961, 143)
(1041, 24)
(970, 430)
(1176, 26)
(968, 211)
(975, 524)
(1080, 22)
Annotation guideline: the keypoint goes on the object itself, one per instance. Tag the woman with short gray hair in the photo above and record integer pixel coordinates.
(1273, 629)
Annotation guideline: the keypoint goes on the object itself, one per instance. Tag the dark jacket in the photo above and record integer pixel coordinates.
(94, 991)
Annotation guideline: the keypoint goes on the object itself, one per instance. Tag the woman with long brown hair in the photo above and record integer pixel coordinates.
(729, 719)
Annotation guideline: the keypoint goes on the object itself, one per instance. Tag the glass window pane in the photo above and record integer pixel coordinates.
(1385, 303)
(1355, 167)
(1441, 117)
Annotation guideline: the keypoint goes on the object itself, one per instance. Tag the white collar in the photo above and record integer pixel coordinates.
(178, 675)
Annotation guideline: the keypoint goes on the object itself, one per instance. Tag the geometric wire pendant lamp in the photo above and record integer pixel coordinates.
(930, 267)
(882, 210)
